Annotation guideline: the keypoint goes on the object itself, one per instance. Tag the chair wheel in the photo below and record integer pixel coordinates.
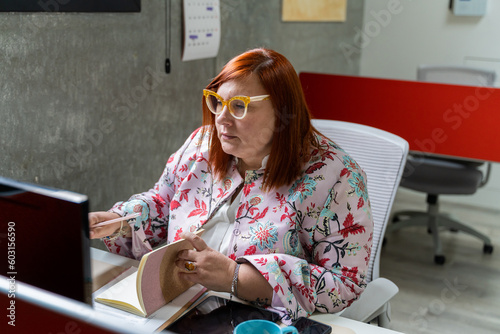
(488, 249)
(439, 259)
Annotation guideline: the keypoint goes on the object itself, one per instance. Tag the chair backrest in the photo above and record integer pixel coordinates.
(457, 75)
(382, 155)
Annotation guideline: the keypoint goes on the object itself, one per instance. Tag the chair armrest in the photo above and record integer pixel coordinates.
(376, 295)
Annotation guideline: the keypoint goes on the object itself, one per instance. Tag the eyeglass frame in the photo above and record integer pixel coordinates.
(226, 103)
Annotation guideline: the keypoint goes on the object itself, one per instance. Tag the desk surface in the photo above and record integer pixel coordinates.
(450, 120)
(106, 265)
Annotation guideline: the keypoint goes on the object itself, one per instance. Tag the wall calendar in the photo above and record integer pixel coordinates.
(202, 26)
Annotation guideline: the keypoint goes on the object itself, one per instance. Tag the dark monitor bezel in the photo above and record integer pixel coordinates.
(45, 231)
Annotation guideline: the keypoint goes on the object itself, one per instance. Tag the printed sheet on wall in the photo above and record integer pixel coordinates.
(314, 11)
(201, 29)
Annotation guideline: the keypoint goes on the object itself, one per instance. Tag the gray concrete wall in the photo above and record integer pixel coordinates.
(85, 102)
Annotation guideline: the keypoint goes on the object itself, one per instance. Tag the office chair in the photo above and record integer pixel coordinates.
(382, 156)
(438, 176)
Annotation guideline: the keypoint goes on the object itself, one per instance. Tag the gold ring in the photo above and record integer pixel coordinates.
(190, 266)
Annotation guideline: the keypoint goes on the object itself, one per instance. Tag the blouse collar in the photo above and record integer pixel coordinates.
(263, 164)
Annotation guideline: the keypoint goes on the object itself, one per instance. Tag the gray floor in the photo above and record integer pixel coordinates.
(461, 296)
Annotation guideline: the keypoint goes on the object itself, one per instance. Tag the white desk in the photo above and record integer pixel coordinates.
(106, 265)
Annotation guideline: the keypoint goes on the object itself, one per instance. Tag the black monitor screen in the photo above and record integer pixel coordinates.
(70, 6)
(44, 234)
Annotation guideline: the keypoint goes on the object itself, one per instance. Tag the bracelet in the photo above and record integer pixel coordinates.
(118, 234)
(234, 283)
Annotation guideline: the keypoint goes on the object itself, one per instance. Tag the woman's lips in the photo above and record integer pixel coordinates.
(225, 136)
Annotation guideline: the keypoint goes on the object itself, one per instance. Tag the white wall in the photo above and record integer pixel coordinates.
(398, 35)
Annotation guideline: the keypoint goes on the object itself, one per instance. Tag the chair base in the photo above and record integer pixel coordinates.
(434, 221)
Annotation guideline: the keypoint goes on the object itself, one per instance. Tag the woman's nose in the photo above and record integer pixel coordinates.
(224, 117)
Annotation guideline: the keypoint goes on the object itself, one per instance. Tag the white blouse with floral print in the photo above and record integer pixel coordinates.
(311, 239)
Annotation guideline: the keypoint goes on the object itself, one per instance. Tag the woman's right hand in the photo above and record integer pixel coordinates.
(104, 231)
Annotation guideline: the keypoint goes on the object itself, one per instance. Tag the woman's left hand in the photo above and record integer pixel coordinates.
(212, 269)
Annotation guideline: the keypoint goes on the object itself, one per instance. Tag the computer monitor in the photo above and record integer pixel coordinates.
(44, 235)
(40, 311)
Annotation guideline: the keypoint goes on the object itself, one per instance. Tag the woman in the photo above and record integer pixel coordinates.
(285, 210)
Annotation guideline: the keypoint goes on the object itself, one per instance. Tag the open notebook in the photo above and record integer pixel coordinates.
(153, 284)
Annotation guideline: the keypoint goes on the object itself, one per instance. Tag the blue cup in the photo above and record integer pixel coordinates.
(263, 327)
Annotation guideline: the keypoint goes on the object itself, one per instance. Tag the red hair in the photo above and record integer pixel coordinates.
(293, 134)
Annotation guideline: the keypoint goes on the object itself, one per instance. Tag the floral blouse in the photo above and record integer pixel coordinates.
(311, 239)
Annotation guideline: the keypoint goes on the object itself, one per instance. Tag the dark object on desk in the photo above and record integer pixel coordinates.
(216, 315)
(439, 176)
(309, 326)
(46, 239)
